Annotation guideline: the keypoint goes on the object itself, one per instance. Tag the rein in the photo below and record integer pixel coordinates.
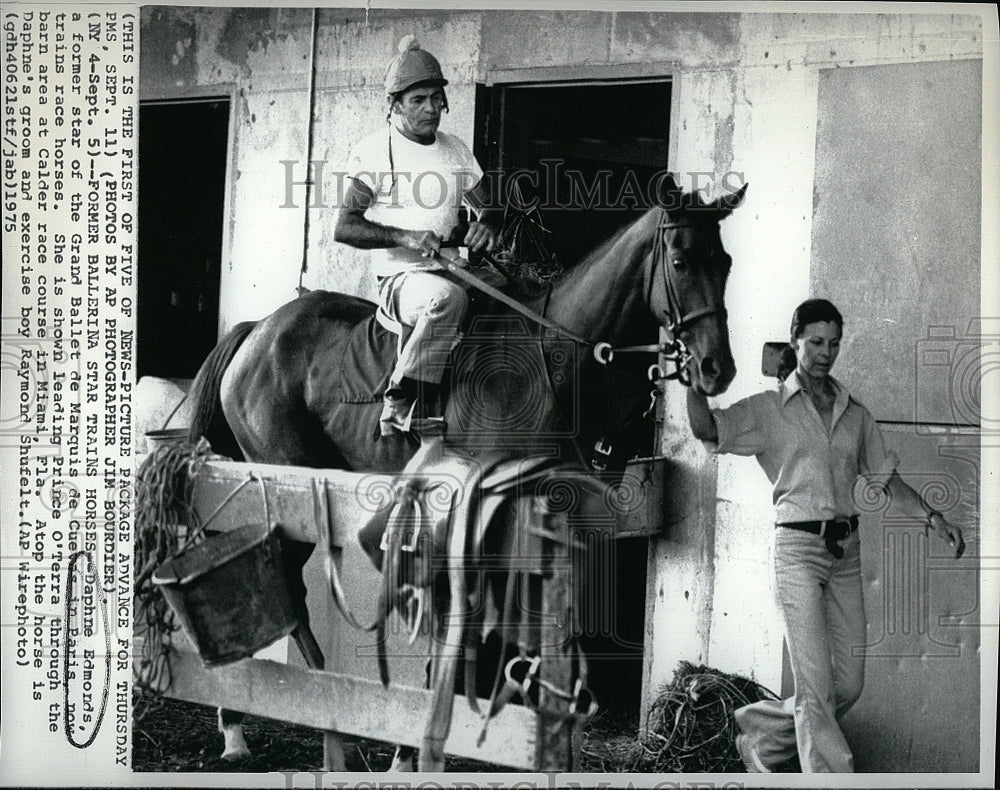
(673, 349)
(450, 258)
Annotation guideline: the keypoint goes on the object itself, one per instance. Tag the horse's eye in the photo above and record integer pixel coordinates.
(679, 263)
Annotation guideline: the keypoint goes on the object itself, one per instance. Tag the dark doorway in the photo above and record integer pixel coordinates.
(587, 152)
(613, 620)
(182, 172)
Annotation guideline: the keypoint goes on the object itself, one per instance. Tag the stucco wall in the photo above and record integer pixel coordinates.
(746, 89)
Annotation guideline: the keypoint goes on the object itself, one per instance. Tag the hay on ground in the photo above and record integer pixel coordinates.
(690, 727)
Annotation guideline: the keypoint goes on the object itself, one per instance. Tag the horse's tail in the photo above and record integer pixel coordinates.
(207, 418)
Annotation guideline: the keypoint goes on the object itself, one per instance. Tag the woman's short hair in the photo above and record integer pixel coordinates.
(810, 311)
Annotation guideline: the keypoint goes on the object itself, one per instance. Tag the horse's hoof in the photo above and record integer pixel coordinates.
(233, 753)
(234, 744)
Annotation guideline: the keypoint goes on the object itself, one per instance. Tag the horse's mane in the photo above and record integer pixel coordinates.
(636, 228)
(689, 203)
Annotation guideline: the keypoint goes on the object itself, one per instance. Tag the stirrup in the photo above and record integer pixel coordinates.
(426, 427)
(393, 420)
(396, 416)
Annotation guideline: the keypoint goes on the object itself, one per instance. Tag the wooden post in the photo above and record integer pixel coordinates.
(555, 748)
(333, 752)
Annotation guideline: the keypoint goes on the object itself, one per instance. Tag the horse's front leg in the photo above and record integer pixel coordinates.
(294, 555)
(231, 726)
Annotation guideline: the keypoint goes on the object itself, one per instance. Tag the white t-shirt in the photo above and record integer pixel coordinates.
(430, 182)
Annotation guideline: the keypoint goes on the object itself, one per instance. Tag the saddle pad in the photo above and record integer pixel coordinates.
(369, 356)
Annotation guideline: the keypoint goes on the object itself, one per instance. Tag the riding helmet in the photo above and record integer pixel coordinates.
(410, 66)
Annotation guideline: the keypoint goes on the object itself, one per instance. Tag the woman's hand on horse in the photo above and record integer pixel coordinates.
(950, 533)
(426, 242)
(480, 237)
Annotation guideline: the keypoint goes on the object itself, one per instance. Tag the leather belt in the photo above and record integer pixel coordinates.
(831, 530)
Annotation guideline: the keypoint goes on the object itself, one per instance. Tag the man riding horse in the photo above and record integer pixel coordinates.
(405, 187)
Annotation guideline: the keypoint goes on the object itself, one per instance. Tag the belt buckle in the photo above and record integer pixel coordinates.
(840, 523)
(822, 528)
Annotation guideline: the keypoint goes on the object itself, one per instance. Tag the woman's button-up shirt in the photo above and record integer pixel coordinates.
(813, 470)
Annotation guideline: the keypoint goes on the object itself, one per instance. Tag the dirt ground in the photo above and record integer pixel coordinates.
(177, 736)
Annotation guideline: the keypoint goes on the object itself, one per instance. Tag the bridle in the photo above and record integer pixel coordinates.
(676, 320)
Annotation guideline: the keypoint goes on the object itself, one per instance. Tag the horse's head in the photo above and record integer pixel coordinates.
(687, 284)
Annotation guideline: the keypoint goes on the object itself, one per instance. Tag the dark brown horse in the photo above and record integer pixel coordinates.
(286, 389)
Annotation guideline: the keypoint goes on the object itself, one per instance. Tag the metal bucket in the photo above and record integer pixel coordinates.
(645, 495)
(229, 593)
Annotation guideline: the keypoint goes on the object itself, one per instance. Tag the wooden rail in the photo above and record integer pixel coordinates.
(350, 705)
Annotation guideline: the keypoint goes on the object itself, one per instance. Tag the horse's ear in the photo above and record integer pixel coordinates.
(727, 203)
(668, 194)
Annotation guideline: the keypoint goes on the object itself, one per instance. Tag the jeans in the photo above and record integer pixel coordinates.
(426, 311)
(822, 603)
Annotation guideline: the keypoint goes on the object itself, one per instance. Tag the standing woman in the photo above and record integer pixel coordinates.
(813, 440)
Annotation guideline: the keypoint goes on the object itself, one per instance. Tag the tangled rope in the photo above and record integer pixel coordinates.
(690, 726)
(165, 524)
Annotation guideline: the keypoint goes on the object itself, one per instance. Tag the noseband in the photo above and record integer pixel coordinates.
(677, 321)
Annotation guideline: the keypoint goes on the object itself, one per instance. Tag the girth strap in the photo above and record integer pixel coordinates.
(445, 662)
(324, 528)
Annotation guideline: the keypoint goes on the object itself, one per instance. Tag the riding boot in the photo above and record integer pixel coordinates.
(412, 406)
(428, 401)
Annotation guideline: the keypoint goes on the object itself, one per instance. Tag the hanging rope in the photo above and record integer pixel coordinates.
(301, 289)
(165, 523)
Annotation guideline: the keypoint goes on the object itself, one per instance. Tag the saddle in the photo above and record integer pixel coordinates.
(459, 558)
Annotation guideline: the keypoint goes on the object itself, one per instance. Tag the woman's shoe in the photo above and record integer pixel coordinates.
(748, 753)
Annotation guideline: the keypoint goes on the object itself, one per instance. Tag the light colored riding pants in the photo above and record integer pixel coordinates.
(426, 312)
(822, 603)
